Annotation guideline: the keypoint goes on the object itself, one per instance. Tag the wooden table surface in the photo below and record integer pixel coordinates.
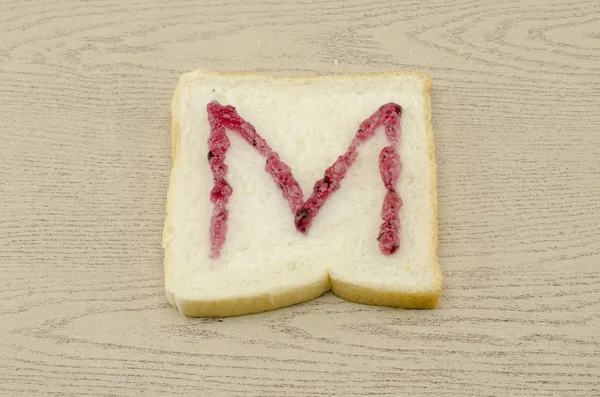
(85, 89)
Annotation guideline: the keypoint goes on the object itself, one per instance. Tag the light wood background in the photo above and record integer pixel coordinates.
(84, 159)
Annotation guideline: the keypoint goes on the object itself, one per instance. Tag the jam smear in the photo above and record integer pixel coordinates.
(222, 118)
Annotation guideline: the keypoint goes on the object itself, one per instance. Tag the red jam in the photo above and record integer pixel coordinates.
(222, 118)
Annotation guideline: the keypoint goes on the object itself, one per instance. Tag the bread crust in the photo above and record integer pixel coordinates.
(358, 293)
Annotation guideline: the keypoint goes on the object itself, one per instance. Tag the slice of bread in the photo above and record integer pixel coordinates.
(247, 152)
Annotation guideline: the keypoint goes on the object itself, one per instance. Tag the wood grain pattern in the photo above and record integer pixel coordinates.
(84, 141)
